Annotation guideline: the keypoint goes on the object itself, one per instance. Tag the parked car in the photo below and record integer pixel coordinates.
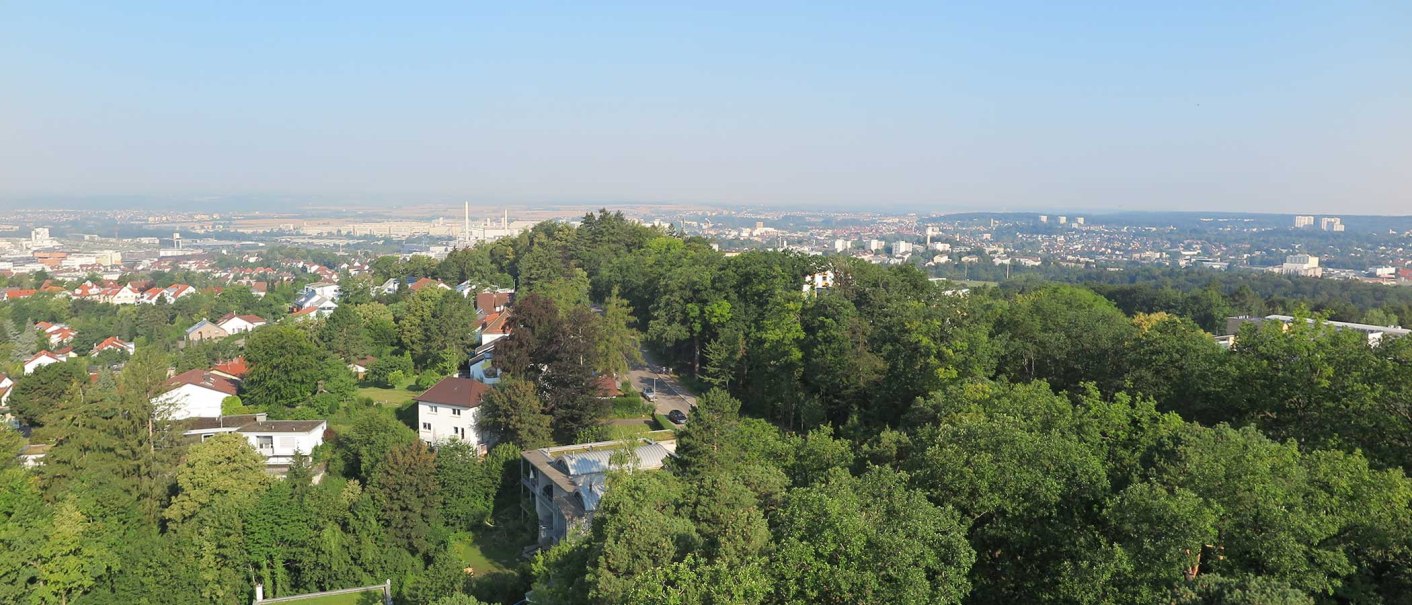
(677, 416)
(649, 394)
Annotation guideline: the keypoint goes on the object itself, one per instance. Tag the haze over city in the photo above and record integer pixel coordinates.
(1274, 107)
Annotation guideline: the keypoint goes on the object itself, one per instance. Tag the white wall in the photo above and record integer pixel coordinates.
(237, 325)
(286, 444)
(439, 423)
(191, 401)
(39, 363)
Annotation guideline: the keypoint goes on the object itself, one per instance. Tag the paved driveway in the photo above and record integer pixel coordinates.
(670, 393)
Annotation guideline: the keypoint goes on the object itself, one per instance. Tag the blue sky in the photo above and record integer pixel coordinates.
(1255, 106)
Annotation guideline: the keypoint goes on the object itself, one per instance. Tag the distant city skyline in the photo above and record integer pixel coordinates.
(1021, 106)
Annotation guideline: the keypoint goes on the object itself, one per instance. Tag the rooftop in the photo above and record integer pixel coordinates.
(222, 422)
(209, 380)
(455, 391)
(282, 426)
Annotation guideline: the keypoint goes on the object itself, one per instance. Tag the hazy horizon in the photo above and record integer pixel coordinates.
(1022, 106)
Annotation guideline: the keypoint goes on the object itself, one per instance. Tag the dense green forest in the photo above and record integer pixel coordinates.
(879, 441)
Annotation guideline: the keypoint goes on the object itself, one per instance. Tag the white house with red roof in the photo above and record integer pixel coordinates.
(451, 410)
(235, 324)
(427, 282)
(494, 327)
(113, 343)
(126, 295)
(196, 394)
(150, 296)
(235, 368)
(57, 333)
(46, 357)
(175, 291)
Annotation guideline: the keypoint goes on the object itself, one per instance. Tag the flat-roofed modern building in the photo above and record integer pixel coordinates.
(563, 485)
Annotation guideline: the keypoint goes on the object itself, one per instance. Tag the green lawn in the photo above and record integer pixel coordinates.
(488, 551)
(383, 396)
(371, 597)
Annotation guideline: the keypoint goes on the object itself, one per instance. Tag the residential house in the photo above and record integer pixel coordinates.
(325, 289)
(494, 327)
(6, 385)
(481, 367)
(496, 301)
(322, 297)
(280, 440)
(563, 485)
(126, 295)
(388, 287)
(235, 324)
(46, 357)
(113, 343)
(176, 291)
(205, 330)
(196, 394)
(450, 410)
(202, 429)
(360, 366)
(305, 314)
(234, 368)
(277, 440)
(57, 333)
(427, 282)
(151, 296)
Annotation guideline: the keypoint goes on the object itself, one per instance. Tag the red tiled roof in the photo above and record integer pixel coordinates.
(488, 301)
(109, 343)
(496, 323)
(454, 391)
(44, 353)
(205, 379)
(235, 367)
(422, 283)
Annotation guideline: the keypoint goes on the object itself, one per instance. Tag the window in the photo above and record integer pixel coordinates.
(459, 432)
(265, 442)
(426, 426)
(431, 409)
(455, 411)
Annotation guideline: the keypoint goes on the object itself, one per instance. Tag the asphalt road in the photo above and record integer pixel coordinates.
(670, 393)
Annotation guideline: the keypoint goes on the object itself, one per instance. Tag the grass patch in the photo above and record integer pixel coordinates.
(661, 435)
(481, 554)
(394, 398)
(630, 406)
(615, 432)
(494, 548)
(664, 423)
(367, 597)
